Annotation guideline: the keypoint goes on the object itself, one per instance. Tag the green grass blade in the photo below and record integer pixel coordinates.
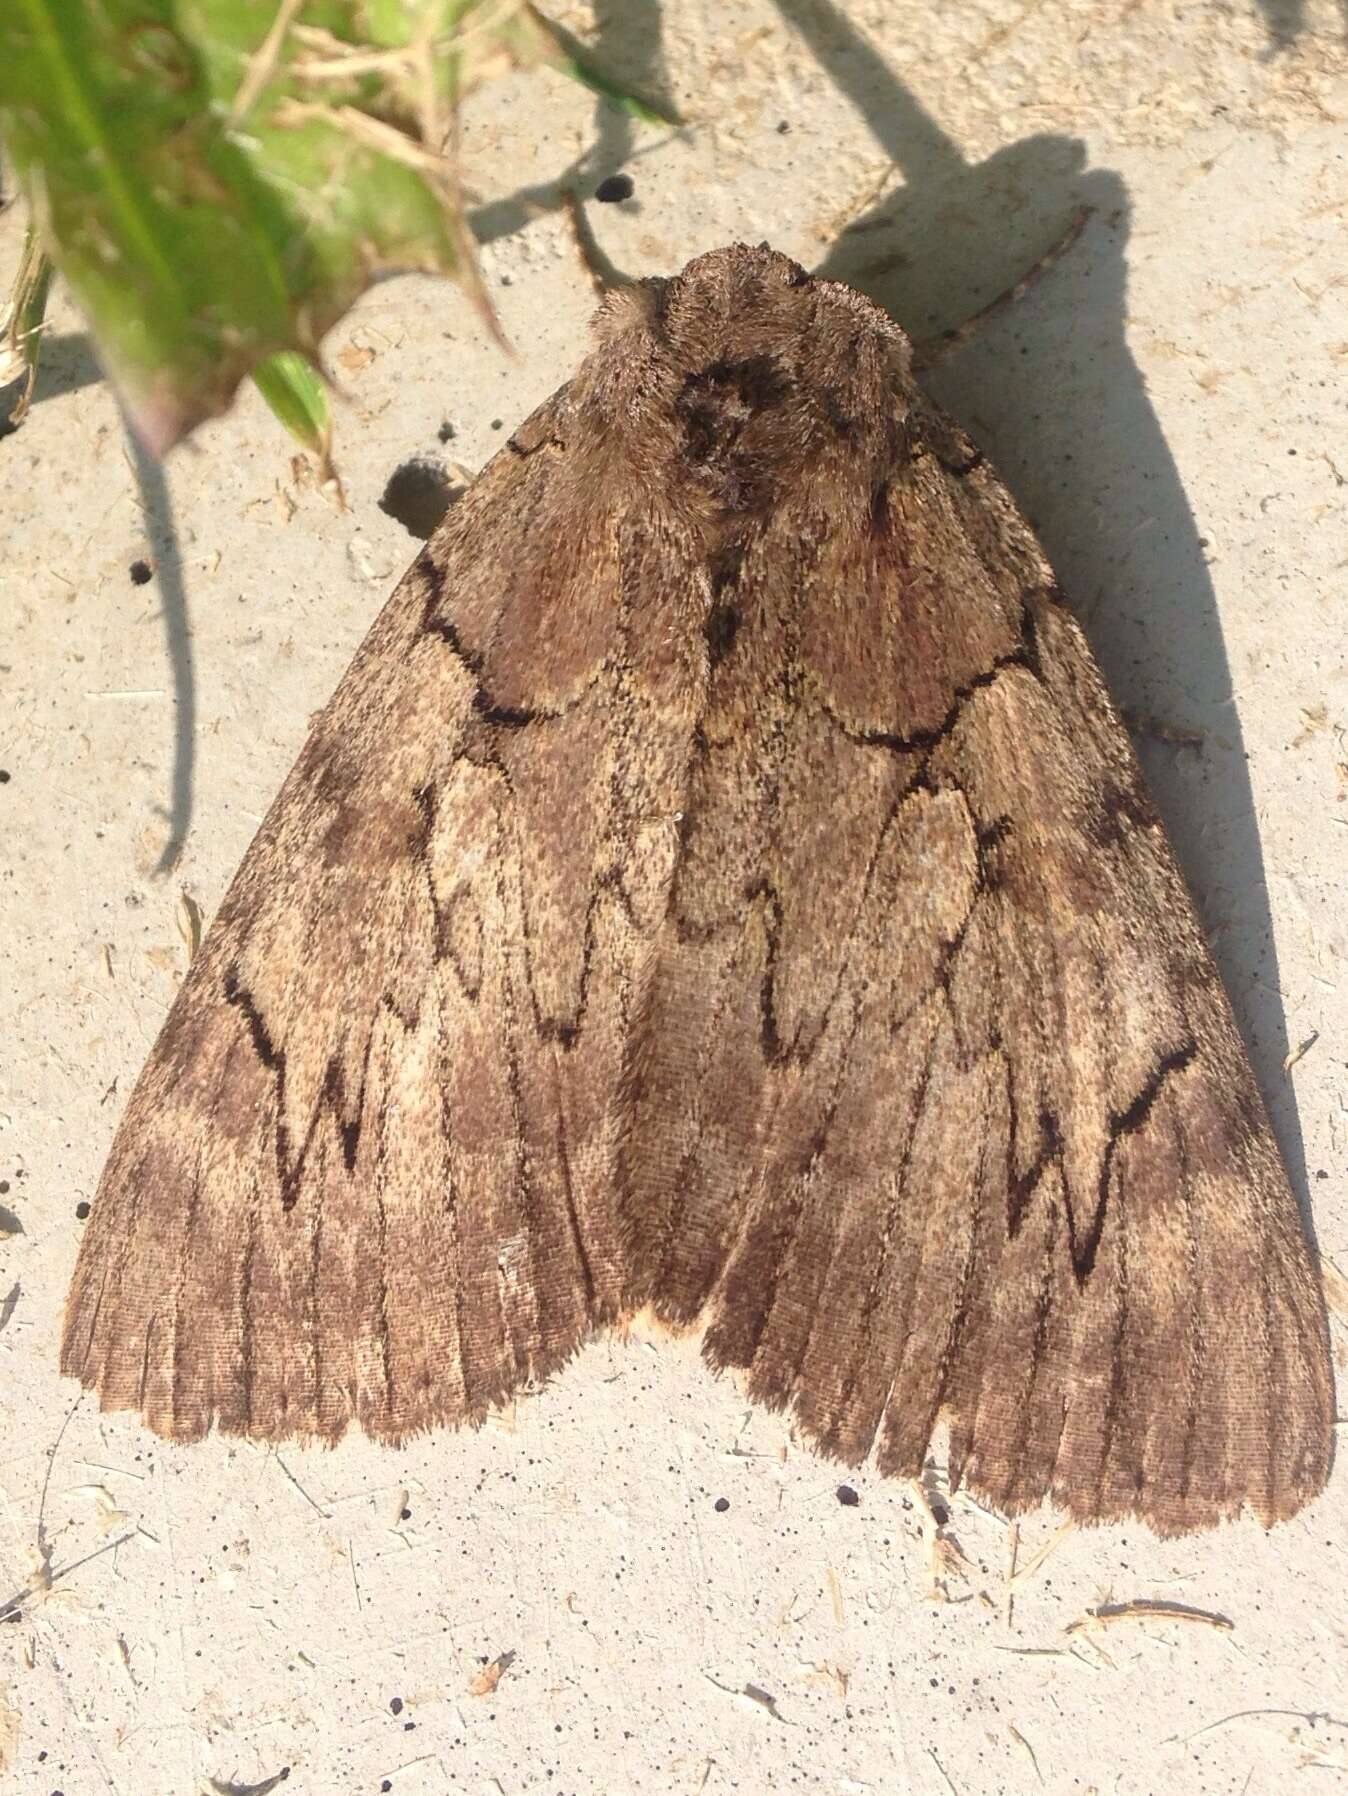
(294, 390)
(21, 323)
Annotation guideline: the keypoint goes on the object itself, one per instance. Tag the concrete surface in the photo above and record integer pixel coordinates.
(690, 1602)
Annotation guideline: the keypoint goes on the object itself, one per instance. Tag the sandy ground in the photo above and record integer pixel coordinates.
(676, 1596)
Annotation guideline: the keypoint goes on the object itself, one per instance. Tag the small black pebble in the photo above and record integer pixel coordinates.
(406, 1515)
(396, 1706)
(4, 776)
(141, 573)
(417, 494)
(496, 423)
(847, 1496)
(721, 1505)
(386, 1785)
(81, 1210)
(446, 432)
(614, 188)
(783, 128)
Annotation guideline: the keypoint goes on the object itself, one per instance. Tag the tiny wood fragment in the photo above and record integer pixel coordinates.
(484, 1682)
(722, 887)
(1147, 1609)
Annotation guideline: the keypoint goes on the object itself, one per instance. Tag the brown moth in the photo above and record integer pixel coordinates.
(721, 885)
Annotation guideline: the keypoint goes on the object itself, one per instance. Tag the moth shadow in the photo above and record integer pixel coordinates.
(1050, 390)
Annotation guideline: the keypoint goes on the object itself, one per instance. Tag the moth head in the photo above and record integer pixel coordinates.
(748, 368)
(743, 294)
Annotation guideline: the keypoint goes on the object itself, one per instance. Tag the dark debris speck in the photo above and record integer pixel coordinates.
(418, 494)
(721, 1505)
(614, 188)
(141, 573)
(81, 1209)
(847, 1496)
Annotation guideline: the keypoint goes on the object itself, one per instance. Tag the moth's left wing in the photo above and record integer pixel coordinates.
(365, 1175)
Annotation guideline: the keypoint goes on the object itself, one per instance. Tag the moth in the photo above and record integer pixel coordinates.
(722, 887)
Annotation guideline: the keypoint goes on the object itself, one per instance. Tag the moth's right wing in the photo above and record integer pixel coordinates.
(964, 1125)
